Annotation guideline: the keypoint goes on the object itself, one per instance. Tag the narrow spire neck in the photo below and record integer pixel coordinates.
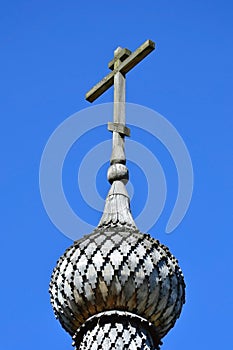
(117, 205)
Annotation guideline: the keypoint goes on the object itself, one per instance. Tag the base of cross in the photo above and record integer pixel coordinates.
(120, 128)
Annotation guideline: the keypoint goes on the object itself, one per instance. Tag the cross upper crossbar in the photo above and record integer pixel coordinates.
(128, 61)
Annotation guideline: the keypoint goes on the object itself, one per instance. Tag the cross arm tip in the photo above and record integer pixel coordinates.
(100, 87)
(150, 43)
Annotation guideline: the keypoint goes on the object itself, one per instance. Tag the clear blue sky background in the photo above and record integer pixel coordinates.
(52, 52)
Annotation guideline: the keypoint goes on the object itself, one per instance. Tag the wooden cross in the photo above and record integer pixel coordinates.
(121, 64)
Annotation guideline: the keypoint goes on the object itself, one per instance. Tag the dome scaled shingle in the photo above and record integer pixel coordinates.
(117, 268)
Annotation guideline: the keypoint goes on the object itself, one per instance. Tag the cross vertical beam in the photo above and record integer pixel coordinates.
(122, 63)
(118, 152)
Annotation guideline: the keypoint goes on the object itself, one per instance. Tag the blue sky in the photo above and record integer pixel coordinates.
(52, 53)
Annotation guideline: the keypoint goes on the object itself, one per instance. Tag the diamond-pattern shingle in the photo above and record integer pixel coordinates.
(117, 268)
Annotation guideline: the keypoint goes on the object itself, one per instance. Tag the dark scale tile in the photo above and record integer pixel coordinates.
(141, 252)
(131, 240)
(125, 273)
(98, 260)
(69, 271)
(89, 293)
(164, 296)
(75, 255)
(108, 273)
(112, 334)
(106, 343)
(106, 247)
(116, 258)
(81, 264)
(68, 291)
(78, 281)
(125, 248)
(133, 261)
(126, 336)
(172, 297)
(63, 265)
(100, 336)
(99, 239)
(84, 243)
(92, 275)
(116, 238)
(163, 270)
(90, 249)
(155, 256)
(141, 303)
(148, 266)
(139, 276)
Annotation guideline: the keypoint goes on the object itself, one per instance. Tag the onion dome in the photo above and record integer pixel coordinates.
(117, 267)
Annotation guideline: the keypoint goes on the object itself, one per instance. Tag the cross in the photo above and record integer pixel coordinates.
(121, 64)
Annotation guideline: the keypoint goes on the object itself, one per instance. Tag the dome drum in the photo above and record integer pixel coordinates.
(116, 329)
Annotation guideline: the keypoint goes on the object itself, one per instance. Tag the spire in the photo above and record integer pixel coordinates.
(117, 206)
